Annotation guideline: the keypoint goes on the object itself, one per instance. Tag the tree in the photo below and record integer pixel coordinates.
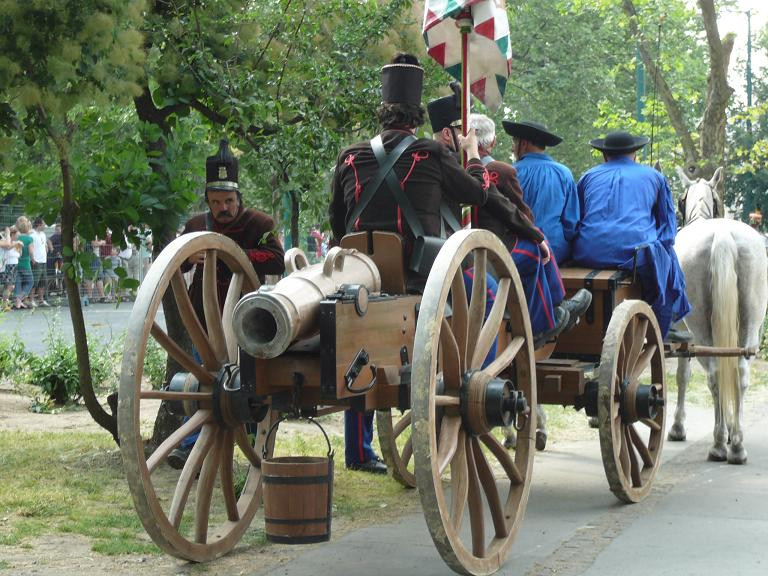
(56, 60)
(704, 156)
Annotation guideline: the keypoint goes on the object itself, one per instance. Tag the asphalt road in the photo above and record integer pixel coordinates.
(702, 518)
(103, 321)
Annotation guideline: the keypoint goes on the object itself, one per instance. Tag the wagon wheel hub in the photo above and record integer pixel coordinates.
(486, 403)
(639, 401)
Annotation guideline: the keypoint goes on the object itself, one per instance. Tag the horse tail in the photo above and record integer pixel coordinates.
(725, 320)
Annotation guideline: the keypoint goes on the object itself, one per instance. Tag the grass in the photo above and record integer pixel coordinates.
(73, 483)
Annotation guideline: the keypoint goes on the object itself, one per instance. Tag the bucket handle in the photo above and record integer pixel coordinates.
(283, 419)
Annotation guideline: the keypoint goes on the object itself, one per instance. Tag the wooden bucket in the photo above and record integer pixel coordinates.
(298, 494)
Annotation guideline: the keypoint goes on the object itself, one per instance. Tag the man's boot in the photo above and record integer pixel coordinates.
(576, 306)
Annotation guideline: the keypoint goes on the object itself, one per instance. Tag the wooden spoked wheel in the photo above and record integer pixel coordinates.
(473, 491)
(394, 428)
(631, 400)
(202, 511)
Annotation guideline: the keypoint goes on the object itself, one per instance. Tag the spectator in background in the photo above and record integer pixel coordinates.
(10, 250)
(131, 262)
(56, 259)
(40, 263)
(111, 279)
(24, 278)
(95, 277)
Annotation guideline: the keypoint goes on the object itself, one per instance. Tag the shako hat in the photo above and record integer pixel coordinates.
(444, 111)
(221, 169)
(531, 131)
(402, 80)
(619, 143)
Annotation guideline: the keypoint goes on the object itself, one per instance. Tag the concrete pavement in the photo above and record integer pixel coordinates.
(701, 518)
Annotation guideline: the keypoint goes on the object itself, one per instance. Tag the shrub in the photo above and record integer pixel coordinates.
(154, 364)
(13, 355)
(56, 371)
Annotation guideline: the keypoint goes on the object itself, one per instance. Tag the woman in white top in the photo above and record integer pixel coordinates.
(10, 249)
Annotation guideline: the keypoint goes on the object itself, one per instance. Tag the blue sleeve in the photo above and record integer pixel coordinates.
(666, 222)
(571, 211)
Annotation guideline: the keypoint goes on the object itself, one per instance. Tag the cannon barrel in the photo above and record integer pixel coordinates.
(266, 322)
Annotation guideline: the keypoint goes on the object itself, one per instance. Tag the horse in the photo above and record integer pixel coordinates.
(726, 275)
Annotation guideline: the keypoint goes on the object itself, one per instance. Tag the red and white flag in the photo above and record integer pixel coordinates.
(489, 44)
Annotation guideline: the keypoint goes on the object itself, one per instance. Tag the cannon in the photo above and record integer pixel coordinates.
(266, 322)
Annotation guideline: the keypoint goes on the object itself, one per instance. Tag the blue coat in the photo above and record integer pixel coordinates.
(550, 191)
(628, 220)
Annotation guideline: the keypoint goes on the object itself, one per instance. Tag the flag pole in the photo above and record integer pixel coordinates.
(465, 24)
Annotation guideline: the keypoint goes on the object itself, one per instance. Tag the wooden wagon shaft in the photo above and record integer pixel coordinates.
(685, 350)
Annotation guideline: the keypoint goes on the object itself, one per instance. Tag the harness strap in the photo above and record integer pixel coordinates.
(397, 191)
(385, 168)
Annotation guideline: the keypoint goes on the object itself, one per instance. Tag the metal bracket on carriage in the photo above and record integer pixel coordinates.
(354, 369)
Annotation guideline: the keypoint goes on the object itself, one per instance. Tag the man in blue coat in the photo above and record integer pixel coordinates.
(548, 186)
(628, 221)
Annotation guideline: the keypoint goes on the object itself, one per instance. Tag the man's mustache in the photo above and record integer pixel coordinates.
(225, 213)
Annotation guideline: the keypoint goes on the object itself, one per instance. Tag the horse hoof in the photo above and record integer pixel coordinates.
(510, 442)
(593, 422)
(676, 433)
(717, 455)
(541, 440)
(737, 456)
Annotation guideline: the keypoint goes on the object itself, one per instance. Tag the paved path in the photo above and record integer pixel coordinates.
(701, 518)
(103, 321)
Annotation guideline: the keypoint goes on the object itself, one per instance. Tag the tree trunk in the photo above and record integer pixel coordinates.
(165, 422)
(102, 417)
(703, 158)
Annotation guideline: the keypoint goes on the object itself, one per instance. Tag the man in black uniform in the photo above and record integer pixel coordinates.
(428, 175)
(252, 230)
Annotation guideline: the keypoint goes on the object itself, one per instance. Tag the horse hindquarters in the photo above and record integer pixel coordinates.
(725, 333)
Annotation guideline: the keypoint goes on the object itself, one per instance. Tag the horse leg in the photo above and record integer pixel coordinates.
(737, 454)
(541, 428)
(718, 451)
(683, 376)
(510, 437)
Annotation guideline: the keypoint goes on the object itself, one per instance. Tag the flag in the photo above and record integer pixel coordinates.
(490, 49)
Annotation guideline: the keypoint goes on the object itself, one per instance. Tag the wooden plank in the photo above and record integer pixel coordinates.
(559, 385)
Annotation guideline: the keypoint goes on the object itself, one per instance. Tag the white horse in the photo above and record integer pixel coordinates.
(726, 276)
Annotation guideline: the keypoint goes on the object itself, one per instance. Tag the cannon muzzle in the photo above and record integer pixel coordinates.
(268, 321)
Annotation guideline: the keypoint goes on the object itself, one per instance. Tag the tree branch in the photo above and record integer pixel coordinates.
(674, 112)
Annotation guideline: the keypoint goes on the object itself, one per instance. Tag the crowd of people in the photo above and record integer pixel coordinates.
(31, 265)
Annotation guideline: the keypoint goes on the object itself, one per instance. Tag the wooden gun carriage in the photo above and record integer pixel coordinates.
(419, 360)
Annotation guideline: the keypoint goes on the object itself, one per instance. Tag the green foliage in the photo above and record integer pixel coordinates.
(154, 364)
(13, 355)
(56, 55)
(55, 372)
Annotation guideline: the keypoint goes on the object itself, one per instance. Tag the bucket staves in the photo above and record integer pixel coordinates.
(298, 494)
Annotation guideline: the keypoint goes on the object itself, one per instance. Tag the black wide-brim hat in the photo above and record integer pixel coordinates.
(619, 143)
(531, 131)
